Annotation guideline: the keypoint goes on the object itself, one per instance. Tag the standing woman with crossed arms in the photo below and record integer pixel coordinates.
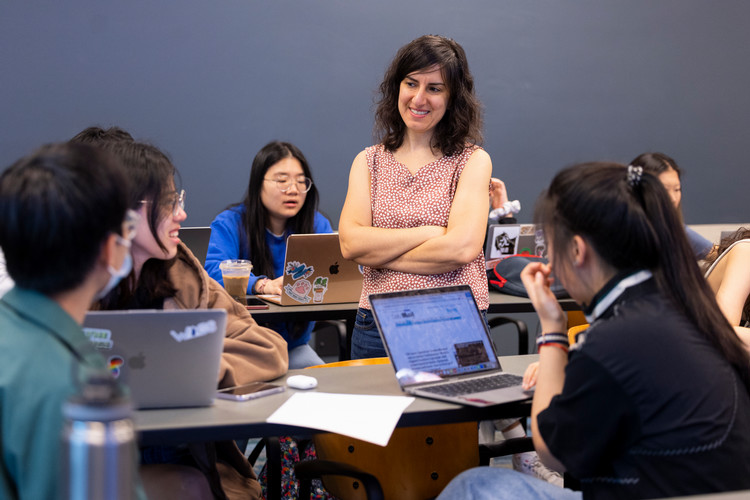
(415, 213)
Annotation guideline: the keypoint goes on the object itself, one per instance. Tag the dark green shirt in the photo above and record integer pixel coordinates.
(42, 351)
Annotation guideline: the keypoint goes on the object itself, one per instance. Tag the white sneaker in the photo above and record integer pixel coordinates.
(529, 463)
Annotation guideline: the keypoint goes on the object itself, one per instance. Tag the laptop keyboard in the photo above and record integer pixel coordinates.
(474, 385)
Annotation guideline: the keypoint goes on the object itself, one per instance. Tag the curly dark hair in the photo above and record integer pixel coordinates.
(462, 122)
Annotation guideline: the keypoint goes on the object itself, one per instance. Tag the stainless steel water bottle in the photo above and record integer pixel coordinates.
(98, 443)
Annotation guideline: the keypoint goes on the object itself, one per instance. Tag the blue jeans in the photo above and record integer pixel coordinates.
(498, 483)
(366, 341)
(303, 356)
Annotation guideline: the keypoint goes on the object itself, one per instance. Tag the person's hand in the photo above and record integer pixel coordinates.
(498, 193)
(536, 279)
(529, 376)
(273, 287)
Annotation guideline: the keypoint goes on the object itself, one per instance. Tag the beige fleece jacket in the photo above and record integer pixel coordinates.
(251, 352)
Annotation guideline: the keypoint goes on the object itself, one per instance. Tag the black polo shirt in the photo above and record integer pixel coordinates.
(649, 407)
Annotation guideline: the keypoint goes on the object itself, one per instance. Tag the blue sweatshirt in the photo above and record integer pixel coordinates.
(700, 245)
(229, 241)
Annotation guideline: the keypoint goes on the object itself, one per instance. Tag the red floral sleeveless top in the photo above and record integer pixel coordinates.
(400, 200)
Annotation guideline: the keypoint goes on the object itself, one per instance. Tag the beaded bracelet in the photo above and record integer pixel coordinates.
(555, 344)
(559, 340)
(548, 338)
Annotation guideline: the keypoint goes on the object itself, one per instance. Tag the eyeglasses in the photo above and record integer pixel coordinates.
(175, 201)
(285, 183)
(129, 225)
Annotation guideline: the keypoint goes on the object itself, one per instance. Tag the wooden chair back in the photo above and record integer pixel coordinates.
(417, 463)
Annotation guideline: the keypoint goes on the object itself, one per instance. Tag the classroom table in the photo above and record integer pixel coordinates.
(500, 303)
(236, 420)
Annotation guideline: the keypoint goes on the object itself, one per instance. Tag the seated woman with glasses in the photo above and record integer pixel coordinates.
(166, 275)
(280, 200)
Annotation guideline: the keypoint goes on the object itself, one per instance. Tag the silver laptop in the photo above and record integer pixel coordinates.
(168, 359)
(440, 347)
(315, 272)
(196, 239)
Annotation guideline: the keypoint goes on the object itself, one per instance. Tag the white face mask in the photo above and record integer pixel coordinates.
(116, 276)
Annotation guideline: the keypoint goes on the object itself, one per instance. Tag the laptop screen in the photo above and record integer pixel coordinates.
(438, 330)
(196, 239)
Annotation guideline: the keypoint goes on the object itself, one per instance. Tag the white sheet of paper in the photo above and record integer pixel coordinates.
(369, 418)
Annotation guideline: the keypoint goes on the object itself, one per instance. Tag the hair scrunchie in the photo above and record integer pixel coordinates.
(509, 207)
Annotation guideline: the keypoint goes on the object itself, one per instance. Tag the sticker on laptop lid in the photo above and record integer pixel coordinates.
(100, 337)
(299, 291)
(113, 365)
(319, 287)
(195, 331)
(504, 240)
(298, 270)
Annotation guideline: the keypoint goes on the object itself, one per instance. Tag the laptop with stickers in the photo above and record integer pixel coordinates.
(315, 272)
(168, 359)
(440, 347)
(513, 239)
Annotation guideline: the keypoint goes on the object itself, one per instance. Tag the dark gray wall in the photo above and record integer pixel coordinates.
(210, 82)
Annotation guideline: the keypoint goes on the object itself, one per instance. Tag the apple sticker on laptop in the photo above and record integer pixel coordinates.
(137, 362)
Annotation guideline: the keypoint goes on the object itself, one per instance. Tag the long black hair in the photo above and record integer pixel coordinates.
(255, 219)
(656, 164)
(152, 177)
(631, 226)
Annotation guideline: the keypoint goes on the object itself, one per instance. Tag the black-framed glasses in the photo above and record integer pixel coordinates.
(285, 183)
(175, 201)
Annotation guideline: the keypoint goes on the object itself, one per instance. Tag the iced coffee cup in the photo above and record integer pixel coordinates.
(236, 274)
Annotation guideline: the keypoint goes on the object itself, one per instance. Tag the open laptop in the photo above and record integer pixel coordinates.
(167, 358)
(196, 239)
(511, 239)
(440, 347)
(315, 272)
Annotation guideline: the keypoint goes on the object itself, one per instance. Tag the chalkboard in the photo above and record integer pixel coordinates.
(210, 82)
